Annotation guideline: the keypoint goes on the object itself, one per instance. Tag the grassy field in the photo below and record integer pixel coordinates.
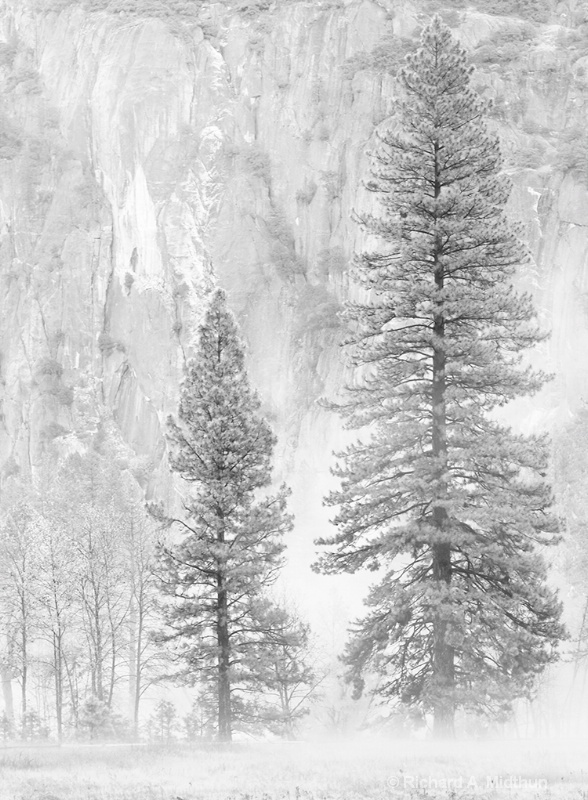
(299, 771)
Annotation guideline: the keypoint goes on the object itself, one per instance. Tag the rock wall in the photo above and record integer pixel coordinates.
(143, 162)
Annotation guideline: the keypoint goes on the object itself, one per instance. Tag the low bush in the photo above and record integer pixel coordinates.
(530, 155)
(33, 728)
(180, 290)
(186, 10)
(10, 139)
(318, 309)
(331, 262)
(573, 153)
(306, 195)
(53, 431)
(533, 10)
(506, 45)
(64, 395)
(98, 722)
(108, 345)
(8, 53)
(9, 468)
(48, 367)
(254, 160)
(386, 57)
(332, 183)
(282, 250)
(252, 8)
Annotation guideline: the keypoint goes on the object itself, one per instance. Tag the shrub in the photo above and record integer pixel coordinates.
(529, 155)
(64, 395)
(177, 327)
(333, 184)
(252, 8)
(199, 722)
(534, 10)
(535, 128)
(88, 193)
(129, 281)
(97, 721)
(180, 290)
(142, 467)
(170, 10)
(180, 16)
(254, 160)
(8, 53)
(10, 140)
(108, 345)
(318, 309)
(163, 723)
(6, 727)
(49, 367)
(10, 468)
(53, 430)
(283, 251)
(323, 133)
(278, 229)
(386, 57)
(440, 6)
(44, 196)
(54, 263)
(506, 45)
(306, 195)
(55, 5)
(33, 729)
(331, 262)
(573, 153)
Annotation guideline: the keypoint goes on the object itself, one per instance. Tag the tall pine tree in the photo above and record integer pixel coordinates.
(447, 502)
(231, 548)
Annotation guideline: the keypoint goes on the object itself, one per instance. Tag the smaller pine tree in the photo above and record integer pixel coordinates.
(163, 723)
(232, 528)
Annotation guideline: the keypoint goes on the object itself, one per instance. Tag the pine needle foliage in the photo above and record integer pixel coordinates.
(447, 503)
(231, 548)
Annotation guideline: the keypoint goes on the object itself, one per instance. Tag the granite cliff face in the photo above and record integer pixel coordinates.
(143, 161)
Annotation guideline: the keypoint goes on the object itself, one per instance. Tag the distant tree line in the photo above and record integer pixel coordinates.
(78, 596)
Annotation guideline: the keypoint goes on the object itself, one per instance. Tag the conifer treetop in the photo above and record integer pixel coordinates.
(220, 430)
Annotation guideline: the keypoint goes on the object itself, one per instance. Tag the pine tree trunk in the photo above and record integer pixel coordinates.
(224, 684)
(443, 654)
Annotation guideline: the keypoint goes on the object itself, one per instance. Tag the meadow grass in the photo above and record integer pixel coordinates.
(334, 770)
